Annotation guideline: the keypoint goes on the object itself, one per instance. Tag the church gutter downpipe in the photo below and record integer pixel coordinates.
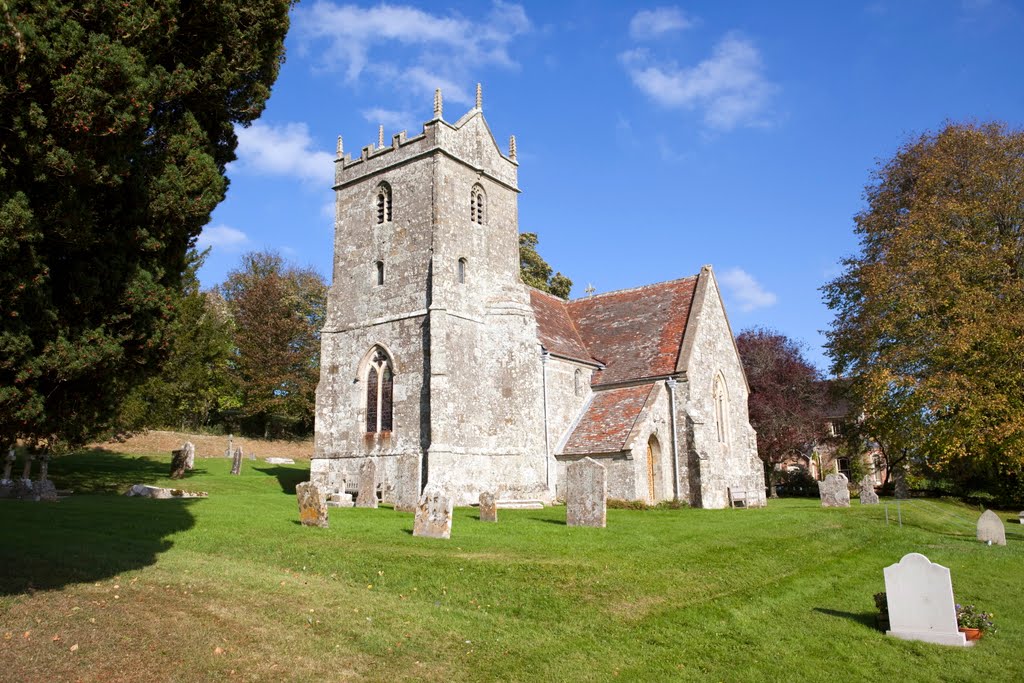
(671, 384)
(544, 355)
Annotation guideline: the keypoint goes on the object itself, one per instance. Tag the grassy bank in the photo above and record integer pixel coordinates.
(233, 586)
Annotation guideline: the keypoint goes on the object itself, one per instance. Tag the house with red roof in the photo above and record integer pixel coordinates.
(440, 366)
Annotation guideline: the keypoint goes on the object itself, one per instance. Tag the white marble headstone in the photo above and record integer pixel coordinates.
(920, 597)
(991, 529)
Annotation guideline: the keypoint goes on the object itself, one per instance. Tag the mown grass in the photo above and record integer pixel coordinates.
(233, 587)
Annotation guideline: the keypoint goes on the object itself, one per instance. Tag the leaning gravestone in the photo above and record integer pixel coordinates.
(190, 455)
(900, 488)
(179, 463)
(920, 597)
(434, 514)
(236, 462)
(367, 495)
(867, 491)
(586, 493)
(312, 507)
(991, 529)
(407, 483)
(835, 491)
(488, 507)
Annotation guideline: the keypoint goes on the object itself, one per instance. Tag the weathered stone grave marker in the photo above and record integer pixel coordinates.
(835, 491)
(900, 488)
(236, 462)
(488, 507)
(312, 507)
(867, 491)
(44, 489)
(179, 462)
(991, 529)
(920, 597)
(407, 483)
(190, 455)
(434, 514)
(367, 495)
(7, 484)
(586, 493)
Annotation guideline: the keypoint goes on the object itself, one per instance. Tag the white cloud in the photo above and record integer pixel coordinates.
(729, 86)
(747, 291)
(649, 24)
(284, 150)
(222, 237)
(439, 49)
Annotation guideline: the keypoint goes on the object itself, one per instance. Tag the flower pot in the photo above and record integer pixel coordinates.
(971, 633)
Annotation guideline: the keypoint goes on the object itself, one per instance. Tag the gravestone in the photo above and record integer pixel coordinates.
(190, 455)
(834, 491)
(44, 488)
(236, 462)
(900, 489)
(366, 497)
(1022, 517)
(159, 493)
(586, 493)
(991, 529)
(433, 514)
(407, 483)
(7, 484)
(279, 461)
(179, 462)
(312, 506)
(488, 507)
(920, 598)
(867, 491)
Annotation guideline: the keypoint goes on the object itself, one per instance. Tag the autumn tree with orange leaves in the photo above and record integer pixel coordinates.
(929, 316)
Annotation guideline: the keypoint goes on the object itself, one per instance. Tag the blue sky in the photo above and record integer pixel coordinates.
(652, 138)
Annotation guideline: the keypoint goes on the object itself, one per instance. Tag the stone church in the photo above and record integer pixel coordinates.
(438, 363)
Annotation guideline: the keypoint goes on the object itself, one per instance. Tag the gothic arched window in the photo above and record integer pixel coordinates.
(477, 202)
(383, 203)
(379, 386)
(721, 398)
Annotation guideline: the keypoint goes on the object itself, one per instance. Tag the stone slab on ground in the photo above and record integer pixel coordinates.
(434, 514)
(586, 493)
(340, 499)
(991, 529)
(160, 493)
(834, 491)
(312, 506)
(520, 505)
(279, 461)
(920, 600)
(488, 507)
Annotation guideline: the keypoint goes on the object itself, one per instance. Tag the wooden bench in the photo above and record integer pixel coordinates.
(740, 499)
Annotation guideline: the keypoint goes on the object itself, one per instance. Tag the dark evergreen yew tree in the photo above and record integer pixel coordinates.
(536, 272)
(116, 122)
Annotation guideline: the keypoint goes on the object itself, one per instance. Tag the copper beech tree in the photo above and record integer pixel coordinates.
(787, 398)
(929, 315)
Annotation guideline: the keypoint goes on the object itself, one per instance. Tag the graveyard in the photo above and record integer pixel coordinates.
(102, 586)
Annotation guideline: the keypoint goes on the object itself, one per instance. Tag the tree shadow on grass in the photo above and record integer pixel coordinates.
(287, 477)
(864, 618)
(84, 539)
(98, 470)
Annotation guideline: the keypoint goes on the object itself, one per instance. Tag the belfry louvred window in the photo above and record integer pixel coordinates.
(384, 203)
(379, 391)
(476, 205)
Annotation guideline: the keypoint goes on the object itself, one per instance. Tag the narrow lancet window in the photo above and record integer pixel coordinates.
(579, 382)
(721, 399)
(379, 392)
(462, 271)
(380, 272)
(384, 203)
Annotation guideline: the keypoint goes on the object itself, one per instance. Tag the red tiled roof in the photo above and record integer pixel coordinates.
(636, 333)
(555, 327)
(608, 420)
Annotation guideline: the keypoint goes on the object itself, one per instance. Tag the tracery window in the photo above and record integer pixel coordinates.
(383, 203)
(379, 389)
(476, 205)
(720, 397)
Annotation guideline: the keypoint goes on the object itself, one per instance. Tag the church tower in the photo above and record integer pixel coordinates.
(430, 361)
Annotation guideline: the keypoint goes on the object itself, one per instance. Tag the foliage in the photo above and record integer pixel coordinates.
(196, 380)
(968, 616)
(929, 316)
(118, 123)
(278, 311)
(787, 397)
(796, 482)
(535, 270)
(882, 603)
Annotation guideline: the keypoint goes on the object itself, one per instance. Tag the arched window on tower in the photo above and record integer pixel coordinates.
(579, 382)
(462, 271)
(379, 390)
(380, 272)
(383, 203)
(477, 203)
(720, 396)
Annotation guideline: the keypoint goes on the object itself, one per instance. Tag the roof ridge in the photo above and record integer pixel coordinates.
(631, 289)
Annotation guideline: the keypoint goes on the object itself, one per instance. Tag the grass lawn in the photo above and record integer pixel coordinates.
(232, 587)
